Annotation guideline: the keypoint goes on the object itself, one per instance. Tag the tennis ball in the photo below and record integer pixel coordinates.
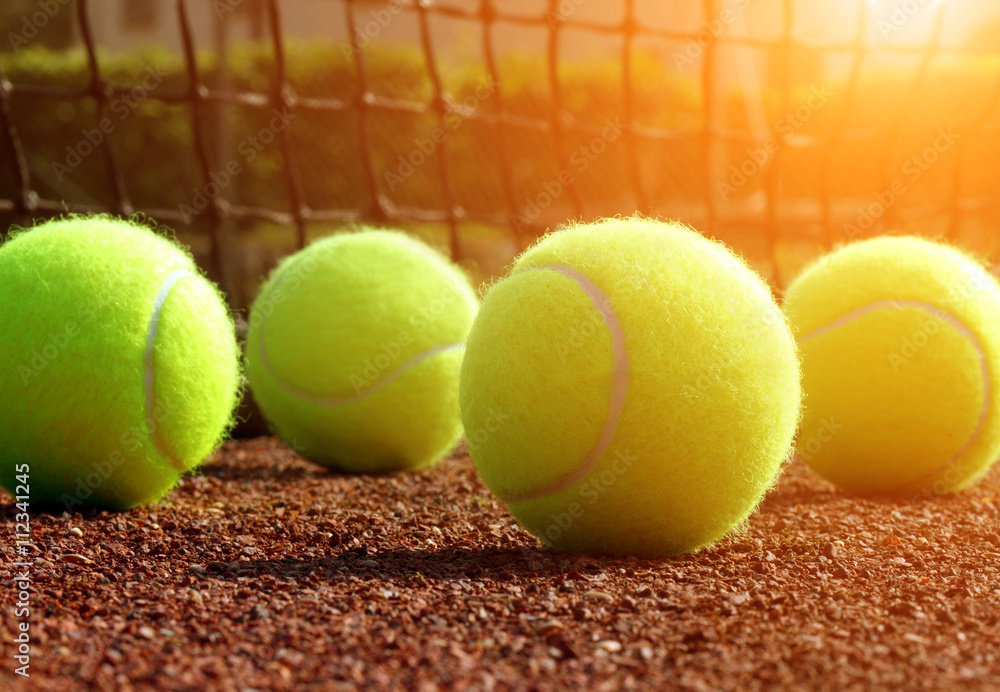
(900, 342)
(354, 351)
(119, 368)
(630, 388)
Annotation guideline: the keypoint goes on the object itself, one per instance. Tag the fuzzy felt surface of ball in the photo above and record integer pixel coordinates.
(119, 368)
(354, 350)
(630, 388)
(900, 342)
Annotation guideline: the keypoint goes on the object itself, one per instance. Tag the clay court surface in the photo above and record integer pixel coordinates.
(266, 572)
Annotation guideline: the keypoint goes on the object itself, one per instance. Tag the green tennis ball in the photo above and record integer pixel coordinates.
(630, 388)
(900, 341)
(354, 351)
(119, 368)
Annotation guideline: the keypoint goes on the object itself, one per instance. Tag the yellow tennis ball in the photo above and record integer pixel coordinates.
(354, 350)
(630, 388)
(900, 342)
(119, 368)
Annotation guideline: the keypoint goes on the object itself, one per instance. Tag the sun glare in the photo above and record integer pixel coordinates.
(923, 4)
(907, 21)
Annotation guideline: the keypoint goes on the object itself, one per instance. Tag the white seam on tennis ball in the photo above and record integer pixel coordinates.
(961, 328)
(150, 375)
(355, 398)
(619, 385)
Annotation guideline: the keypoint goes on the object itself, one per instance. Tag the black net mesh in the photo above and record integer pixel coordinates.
(252, 126)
